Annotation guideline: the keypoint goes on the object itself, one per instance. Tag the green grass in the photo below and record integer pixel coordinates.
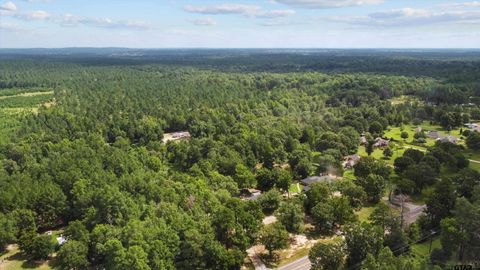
(19, 91)
(16, 104)
(378, 154)
(395, 132)
(294, 188)
(423, 248)
(404, 99)
(364, 213)
(299, 253)
(475, 166)
(15, 260)
(475, 155)
(348, 174)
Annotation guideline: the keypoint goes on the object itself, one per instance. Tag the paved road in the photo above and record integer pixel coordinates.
(300, 264)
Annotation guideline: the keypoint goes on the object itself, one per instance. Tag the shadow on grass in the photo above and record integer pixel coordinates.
(27, 263)
(30, 264)
(314, 233)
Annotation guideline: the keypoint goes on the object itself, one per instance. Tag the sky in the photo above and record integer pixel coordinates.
(240, 23)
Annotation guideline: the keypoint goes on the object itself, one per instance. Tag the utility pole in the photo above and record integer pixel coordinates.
(431, 240)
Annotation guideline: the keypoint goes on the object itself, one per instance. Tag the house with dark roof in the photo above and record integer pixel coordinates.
(307, 182)
(450, 139)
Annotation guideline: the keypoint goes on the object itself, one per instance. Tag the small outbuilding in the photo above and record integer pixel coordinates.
(250, 193)
(433, 135)
(350, 161)
(380, 142)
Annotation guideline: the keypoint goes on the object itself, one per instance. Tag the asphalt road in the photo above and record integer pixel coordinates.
(300, 264)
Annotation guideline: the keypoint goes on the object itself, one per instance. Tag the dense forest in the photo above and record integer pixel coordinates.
(89, 160)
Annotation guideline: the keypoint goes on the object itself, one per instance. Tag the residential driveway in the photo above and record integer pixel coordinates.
(413, 213)
(300, 264)
(254, 253)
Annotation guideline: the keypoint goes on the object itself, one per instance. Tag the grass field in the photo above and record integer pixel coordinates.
(394, 132)
(16, 104)
(378, 154)
(404, 99)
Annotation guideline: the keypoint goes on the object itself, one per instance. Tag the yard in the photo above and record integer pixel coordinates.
(378, 154)
(13, 259)
(364, 213)
(422, 249)
(395, 132)
(292, 254)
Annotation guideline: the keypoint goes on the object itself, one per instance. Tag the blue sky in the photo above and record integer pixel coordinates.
(240, 24)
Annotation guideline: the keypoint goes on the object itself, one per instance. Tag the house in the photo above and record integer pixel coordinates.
(471, 126)
(450, 139)
(380, 142)
(350, 161)
(434, 135)
(61, 240)
(418, 130)
(176, 136)
(250, 194)
(181, 135)
(363, 140)
(307, 182)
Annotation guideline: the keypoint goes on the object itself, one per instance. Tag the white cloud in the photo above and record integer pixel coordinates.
(246, 10)
(31, 15)
(321, 4)
(409, 17)
(461, 5)
(203, 21)
(35, 1)
(274, 22)
(73, 20)
(275, 13)
(6, 26)
(223, 9)
(9, 6)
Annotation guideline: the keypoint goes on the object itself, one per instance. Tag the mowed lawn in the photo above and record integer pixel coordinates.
(378, 154)
(423, 248)
(13, 259)
(395, 132)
